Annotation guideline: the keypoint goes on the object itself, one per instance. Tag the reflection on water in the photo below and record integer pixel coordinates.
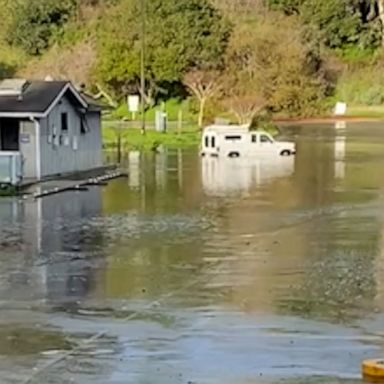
(223, 176)
(340, 150)
(49, 252)
(202, 270)
(19, 341)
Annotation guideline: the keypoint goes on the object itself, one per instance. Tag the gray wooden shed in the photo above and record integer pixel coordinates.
(52, 127)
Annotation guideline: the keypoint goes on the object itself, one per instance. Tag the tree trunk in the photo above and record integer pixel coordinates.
(237, 115)
(201, 113)
(380, 5)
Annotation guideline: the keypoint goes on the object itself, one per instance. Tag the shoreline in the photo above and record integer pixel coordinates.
(329, 119)
(191, 136)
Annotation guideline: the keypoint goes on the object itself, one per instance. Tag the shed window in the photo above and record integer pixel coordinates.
(206, 141)
(232, 137)
(64, 122)
(213, 141)
(83, 125)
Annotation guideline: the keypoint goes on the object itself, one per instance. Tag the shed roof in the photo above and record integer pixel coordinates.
(94, 105)
(38, 97)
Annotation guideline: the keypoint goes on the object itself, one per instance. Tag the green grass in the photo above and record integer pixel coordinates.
(359, 87)
(8, 190)
(376, 111)
(131, 138)
(173, 107)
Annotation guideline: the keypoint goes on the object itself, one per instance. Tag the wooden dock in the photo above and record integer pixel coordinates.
(80, 185)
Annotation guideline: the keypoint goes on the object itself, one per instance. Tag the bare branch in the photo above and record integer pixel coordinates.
(244, 107)
(203, 84)
(106, 95)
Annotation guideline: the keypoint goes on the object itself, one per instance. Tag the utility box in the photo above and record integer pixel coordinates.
(161, 121)
(11, 168)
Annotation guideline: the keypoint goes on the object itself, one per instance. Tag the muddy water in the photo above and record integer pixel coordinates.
(202, 271)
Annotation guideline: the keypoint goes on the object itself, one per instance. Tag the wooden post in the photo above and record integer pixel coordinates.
(119, 144)
(180, 168)
(180, 121)
(142, 66)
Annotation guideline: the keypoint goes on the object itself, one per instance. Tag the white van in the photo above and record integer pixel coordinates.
(239, 141)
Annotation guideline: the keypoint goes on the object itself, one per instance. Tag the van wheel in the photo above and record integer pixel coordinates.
(234, 154)
(285, 153)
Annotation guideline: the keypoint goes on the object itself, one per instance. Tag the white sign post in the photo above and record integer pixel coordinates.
(133, 105)
(340, 109)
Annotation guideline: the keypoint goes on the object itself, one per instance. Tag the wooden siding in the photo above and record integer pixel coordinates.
(58, 153)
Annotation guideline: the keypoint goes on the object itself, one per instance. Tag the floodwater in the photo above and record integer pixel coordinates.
(202, 271)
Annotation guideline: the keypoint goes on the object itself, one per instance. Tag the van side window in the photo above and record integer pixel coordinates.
(206, 141)
(232, 137)
(213, 141)
(254, 138)
(265, 139)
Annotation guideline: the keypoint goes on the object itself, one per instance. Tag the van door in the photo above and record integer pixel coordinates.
(255, 144)
(266, 144)
(233, 144)
(210, 144)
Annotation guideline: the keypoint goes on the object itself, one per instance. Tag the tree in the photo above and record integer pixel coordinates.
(289, 7)
(35, 22)
(85, 8)
(204, 85)
(6, 70)
(63, 63)
(380, 11)
(374, 11)
(272, 62)
(242, 7)
(342, 23)
(181, 35)
(244, 106)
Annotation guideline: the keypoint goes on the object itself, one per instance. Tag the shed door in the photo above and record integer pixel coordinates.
(28, 148)
(9, 134)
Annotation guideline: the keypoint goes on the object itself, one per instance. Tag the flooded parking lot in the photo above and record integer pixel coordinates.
(202, 270)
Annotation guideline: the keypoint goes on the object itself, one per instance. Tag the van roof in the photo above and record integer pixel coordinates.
(227, 128)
